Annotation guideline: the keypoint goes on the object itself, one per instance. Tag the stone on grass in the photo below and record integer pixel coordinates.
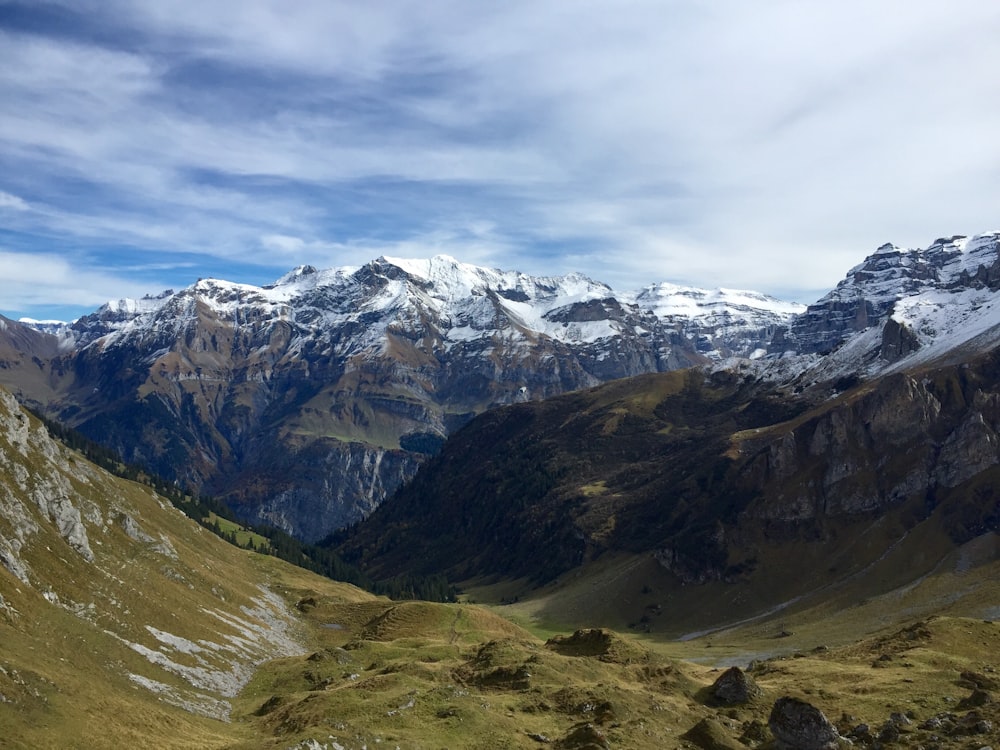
(735, 687)
(797, 725)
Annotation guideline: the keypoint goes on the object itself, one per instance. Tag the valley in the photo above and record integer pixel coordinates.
(632, 492)
(124, 622)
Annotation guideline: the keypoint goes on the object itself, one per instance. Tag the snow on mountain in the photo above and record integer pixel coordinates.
(456, 302)
(898, 309)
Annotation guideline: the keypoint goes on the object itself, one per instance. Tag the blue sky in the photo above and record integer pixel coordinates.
(767, 145)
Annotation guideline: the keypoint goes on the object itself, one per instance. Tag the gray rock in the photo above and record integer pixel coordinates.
(797, 725)
(735, 686)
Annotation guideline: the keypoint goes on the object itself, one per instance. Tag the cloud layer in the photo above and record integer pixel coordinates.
(765, 145)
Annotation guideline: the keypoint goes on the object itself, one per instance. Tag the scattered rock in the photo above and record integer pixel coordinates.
(754, 733)
(889, 732)
(709, 734)
(735, 687)
(972, 723)
(932, 723)
(584, 737)
(797, 725)
(132, 529)
(981, 681)
(882, 661)
(977, 698)
(861, 733)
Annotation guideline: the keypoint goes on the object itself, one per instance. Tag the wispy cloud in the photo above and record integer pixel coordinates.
(37, 281)
(12, 202)
(767, 145)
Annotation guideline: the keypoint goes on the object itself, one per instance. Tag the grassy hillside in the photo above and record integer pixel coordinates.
(123, 623)
(121, 620)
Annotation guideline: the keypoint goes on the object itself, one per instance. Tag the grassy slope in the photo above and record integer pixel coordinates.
(417, 675)
(65, 634)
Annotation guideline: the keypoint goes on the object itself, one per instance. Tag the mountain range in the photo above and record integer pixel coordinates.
(305, 403)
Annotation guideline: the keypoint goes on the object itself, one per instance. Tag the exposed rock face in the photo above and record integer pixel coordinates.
(735, 687)
(868, 294)
(49, 491)
(898, 341)
(899, 441)
(797, 725)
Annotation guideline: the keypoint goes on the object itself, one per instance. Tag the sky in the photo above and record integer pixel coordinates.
(769, 145)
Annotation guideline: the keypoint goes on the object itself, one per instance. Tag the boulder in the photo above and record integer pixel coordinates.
(797, 725)
(735, 687)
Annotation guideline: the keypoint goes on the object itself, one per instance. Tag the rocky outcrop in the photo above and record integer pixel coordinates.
(898, 341)
(868, 294)
(894, 442)
(45, 487)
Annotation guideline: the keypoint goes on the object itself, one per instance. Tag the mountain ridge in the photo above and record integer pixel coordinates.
(350, 369)
(306, 402)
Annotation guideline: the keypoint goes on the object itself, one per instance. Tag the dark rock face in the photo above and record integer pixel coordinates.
(735, 687)
(898, 341)
(900, 440)
(797, 725)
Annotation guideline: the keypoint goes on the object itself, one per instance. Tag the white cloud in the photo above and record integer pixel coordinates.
(36, 279)
(12, 202)
(767, 145)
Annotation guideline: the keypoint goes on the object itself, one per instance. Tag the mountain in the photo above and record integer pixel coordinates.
(899, 308)
(697, 479)
(121, 620)
(304, 404)
(824, 514)
(866, 445)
